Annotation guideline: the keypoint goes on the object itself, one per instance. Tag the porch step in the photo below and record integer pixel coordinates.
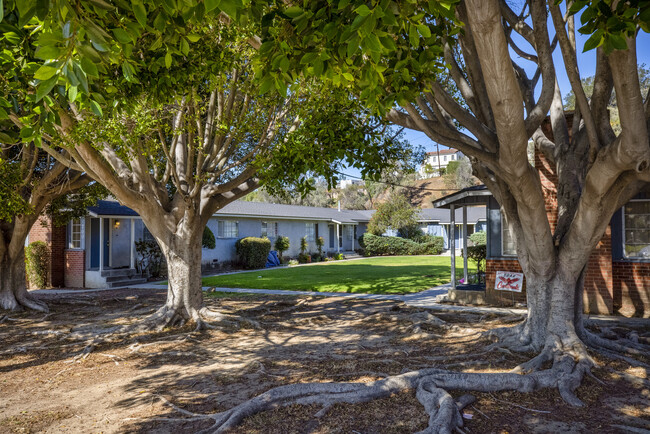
(351, 255)
(119, 272)
(134, 275)
(126, 282)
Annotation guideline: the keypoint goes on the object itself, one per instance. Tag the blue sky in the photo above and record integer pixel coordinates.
(586, 64)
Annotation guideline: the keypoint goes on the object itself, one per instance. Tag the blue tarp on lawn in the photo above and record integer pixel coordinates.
(272, 260)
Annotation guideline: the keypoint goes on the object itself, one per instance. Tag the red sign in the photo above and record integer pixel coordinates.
(507, 281)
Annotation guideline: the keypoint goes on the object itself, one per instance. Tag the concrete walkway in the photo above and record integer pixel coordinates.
(429, 298)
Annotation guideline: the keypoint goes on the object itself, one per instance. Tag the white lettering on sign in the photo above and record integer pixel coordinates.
(508, 281)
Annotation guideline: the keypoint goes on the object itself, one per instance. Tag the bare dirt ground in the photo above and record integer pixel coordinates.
(48, 383)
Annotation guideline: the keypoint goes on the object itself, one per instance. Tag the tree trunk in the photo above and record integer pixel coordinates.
(182, 251)
(13, 285)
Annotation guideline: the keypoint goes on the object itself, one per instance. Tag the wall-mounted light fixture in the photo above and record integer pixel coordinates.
(116, 224)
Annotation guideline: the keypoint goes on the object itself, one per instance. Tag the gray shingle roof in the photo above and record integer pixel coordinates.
(240, 208)
(110, 207)
(271, 210)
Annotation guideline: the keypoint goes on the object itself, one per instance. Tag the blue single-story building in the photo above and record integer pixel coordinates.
(99, 249)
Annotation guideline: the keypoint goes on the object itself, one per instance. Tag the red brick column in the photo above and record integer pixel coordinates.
(502, 298)
(75, 261)
(632, 288)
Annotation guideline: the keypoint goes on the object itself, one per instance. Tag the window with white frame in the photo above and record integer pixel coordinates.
(146, 235)
(349, 232)
(228, 229)
(270, 229)
(310, 232)
(636, 236)
(74, 241)
(507, 238)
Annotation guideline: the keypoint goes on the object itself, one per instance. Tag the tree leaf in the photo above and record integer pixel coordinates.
(45, 87)
(122, 36)
(594, 41)
(211, 5)
(293, 11)
(363, 10)
(140, 12)
(72, 93)
(89, 67)
(45, 72)
(2, 10)
(95, 107)
(168, 60)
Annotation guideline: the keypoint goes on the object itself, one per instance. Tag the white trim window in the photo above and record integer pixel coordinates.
(227, 229)
(508, 247)
(146, 235)
(74, 242)
(636, 233)
(270, 229)
(310, 232)
(349, 232)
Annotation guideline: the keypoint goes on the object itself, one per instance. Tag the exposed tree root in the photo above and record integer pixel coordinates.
(430, 385)
(22, 300)
(514, 338)
(621, 345)
(203, 318)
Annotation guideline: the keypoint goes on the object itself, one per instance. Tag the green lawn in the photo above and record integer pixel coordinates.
(385, 275)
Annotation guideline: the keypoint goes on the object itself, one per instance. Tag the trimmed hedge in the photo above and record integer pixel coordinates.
(37, 258)
(478, 238)
(253, 252)
(374, 245)
(208, 241)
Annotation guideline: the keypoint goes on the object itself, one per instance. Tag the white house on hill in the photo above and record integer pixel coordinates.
(435, 161)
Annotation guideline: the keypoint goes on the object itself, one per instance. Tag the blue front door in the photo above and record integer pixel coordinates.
(94, 243)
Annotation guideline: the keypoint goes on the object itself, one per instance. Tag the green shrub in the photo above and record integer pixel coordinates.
(320, 242)
(433, 245)
(395, 246)
(37, 259)
(151, 261)
(339, 256)
(375, 245)
(478, 255)
(208, 239)
(281, 245)
(253, 252)
(478, 238)
(303, 245)
(304, 258)
(293, 262)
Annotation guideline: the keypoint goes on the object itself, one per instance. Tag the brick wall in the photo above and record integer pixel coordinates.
(57, 262)
(502, 298)
(598, 295)
(45, 231)
(75, 261)
(632, 288)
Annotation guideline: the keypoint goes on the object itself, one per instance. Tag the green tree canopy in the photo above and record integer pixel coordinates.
(396, 213)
